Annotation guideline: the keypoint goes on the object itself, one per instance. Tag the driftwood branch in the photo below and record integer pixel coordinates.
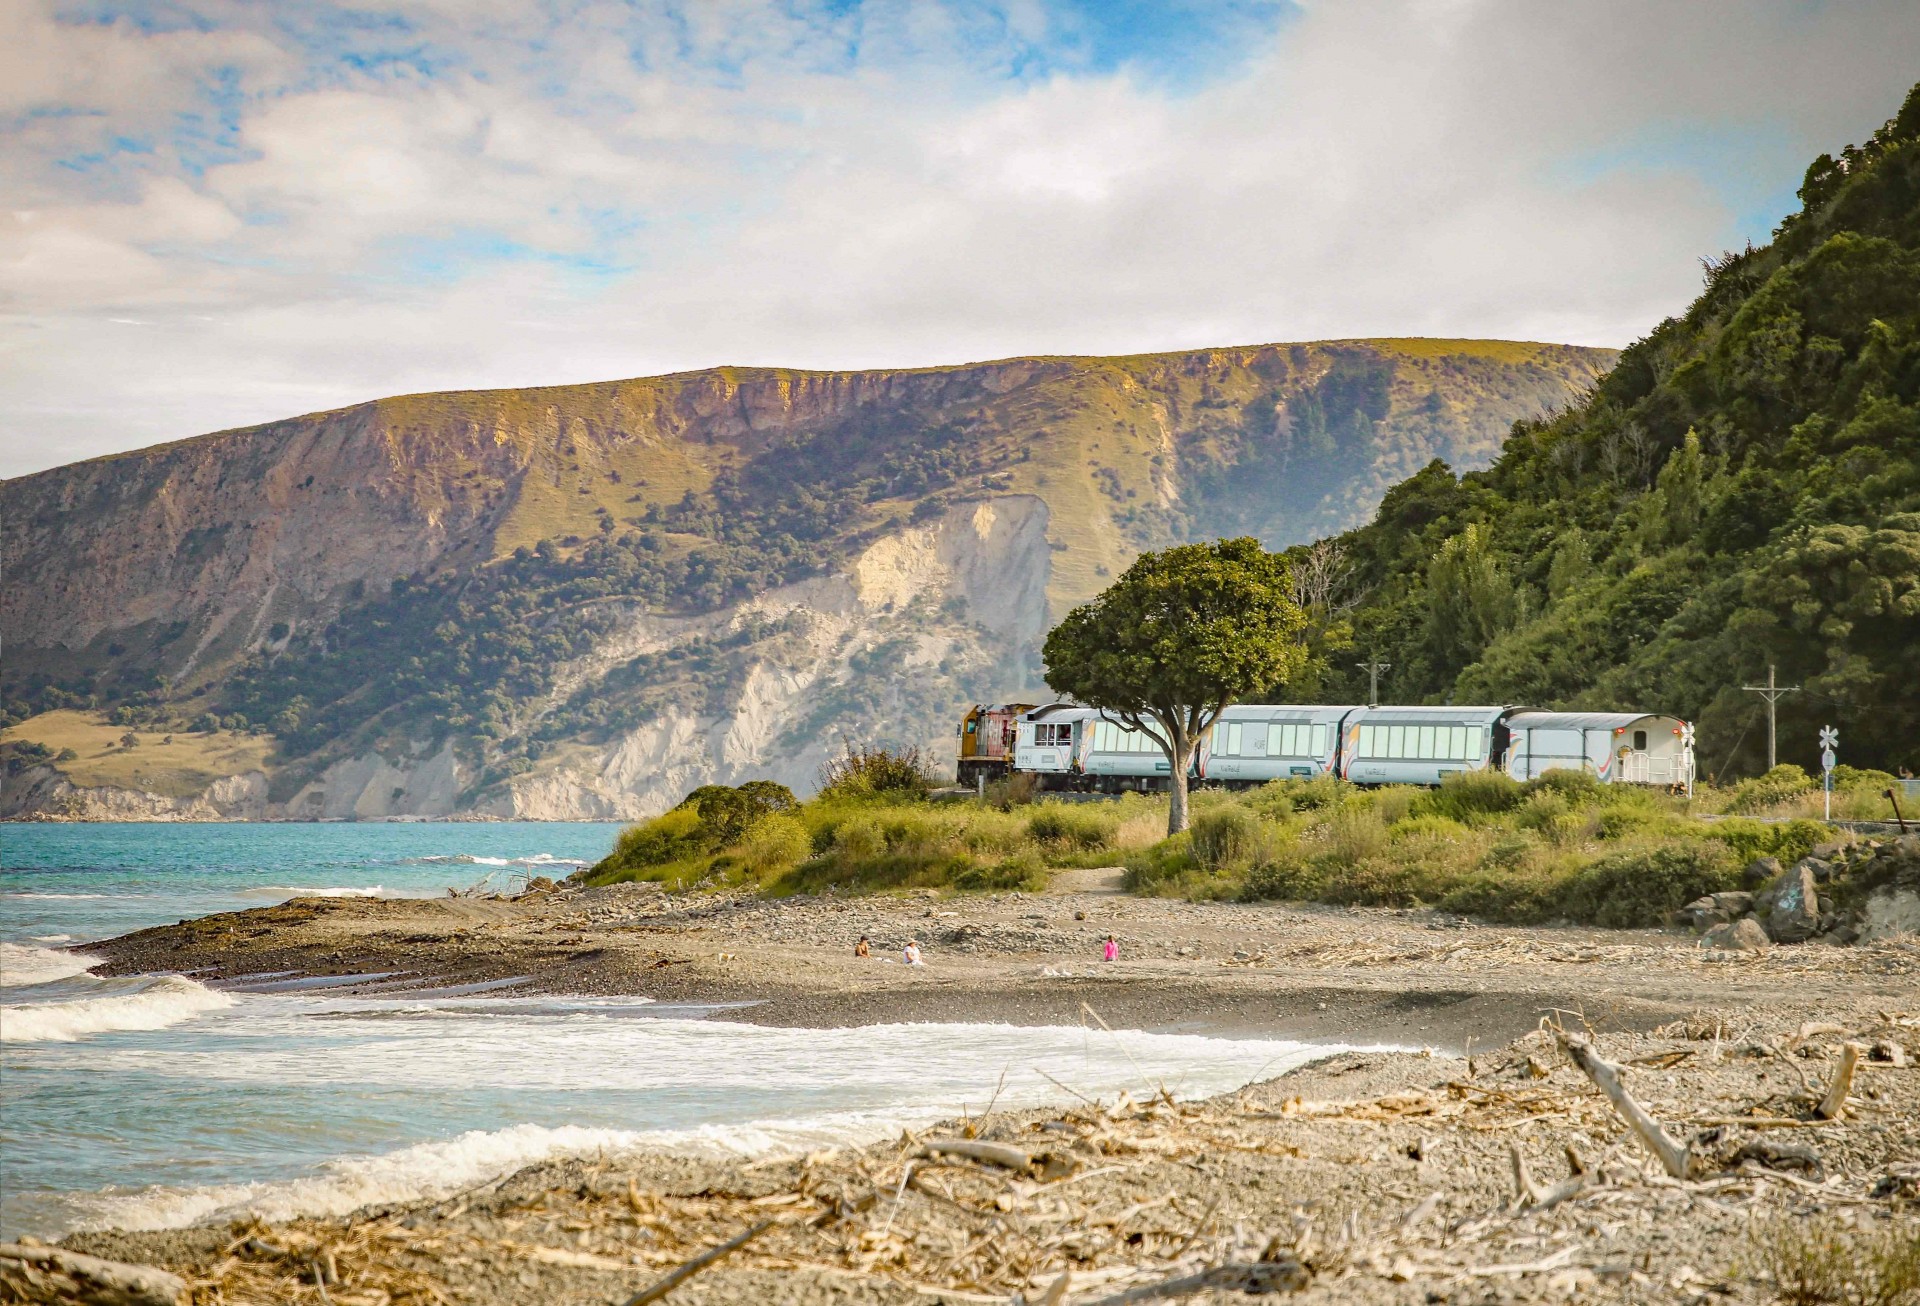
(681, 1273)
(1834, 1104)
(1001, 1154)
(1674, 1157)
(49, 1274)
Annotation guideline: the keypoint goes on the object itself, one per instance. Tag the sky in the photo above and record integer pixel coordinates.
(216, 212)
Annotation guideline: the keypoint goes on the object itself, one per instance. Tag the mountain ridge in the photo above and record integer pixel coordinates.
(286, 572)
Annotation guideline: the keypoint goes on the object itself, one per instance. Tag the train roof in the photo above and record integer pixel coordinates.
(1390, 712)
(1530, 719)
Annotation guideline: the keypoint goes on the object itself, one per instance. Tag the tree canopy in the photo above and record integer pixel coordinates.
(1743, 489)
(1179, 636)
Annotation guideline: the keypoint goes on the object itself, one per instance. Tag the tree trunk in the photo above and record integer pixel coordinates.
(1177, 818)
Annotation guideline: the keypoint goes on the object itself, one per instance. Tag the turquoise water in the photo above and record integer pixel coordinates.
(158, 1101)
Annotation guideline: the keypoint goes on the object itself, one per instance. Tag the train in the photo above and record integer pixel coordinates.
(1068, 747)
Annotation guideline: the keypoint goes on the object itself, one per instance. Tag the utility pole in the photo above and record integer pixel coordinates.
(1373, 670)
(1773, 694)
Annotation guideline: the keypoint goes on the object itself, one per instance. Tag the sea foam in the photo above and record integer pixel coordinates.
(166, 1001)
(21, 965)
(426, 1171)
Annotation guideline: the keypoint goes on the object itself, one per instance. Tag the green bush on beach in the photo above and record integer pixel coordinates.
(1559, 848)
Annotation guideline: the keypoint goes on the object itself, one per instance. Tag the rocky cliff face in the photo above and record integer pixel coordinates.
(952, 514)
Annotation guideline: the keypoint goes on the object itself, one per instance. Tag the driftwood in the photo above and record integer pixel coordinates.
(49, 1274)
(1674, 1157)
(681, 1273)
(1001, 1154)
(1834, 1104)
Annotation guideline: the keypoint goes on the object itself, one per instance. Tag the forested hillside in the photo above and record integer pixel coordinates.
(588, 599)
(1742, 489)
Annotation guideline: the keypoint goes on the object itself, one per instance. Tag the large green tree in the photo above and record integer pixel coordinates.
(1176, 639)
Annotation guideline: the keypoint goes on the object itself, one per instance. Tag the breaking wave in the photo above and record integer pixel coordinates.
(426, 1171)
(165, 1001)
(20, 965)
(472, 859)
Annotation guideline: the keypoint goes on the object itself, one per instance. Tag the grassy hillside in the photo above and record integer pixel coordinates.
(1743, 489)
(91, 752)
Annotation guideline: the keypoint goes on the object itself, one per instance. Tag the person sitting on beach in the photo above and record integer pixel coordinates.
(1110, 951)
(912, 954)
(862, 948)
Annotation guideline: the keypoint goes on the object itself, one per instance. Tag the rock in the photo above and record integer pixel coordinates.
(1775, 1154)
(1795, 913)
(1702, 913)
(1822, 868)
(1743, 935)
(1760, 873)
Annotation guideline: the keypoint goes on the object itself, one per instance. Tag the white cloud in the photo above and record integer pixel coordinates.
(504, 198)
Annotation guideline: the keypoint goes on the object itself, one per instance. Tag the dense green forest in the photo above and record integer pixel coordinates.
(1742, 489)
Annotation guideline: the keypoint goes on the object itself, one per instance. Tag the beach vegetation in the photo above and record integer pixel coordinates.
(1561, 848)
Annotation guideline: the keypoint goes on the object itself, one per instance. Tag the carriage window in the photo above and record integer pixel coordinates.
(1640, 740)
(1476, 741)
(1426, 740)
(1396, 741)
(1233, 740)
(1319, 741)
(1367, 740)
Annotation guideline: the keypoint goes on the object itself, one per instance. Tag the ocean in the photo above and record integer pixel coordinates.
(160, 1101)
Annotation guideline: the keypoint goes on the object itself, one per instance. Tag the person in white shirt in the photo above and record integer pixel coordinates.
(912, 953)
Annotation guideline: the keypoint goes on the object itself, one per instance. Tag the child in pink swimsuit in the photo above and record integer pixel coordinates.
(1111, 950)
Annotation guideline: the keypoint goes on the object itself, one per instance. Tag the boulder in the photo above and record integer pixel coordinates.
(1744, 935)
(1760, 873)
(1701, 914)
(1822, 868)
(1794, 913)
(1714, 909)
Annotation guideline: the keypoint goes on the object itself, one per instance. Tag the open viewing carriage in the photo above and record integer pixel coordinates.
(1069, 747)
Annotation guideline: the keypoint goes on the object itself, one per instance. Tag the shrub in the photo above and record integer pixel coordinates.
(1162, 868)
(777, 842)
(1427, 829)
(1071, 825)
(727, 813)
(1578, 788)
(1270, 800)
(1470, 796)
(1225, 836)
(1322, 793)
(865, 769)
(666, 838)
(1542, 808)
(1645, 886)
(1023, 871)
(1787, 840)
(1357, 833)
(1757, 795)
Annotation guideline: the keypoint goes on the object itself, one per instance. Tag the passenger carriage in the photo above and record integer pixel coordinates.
(1253, 743)
(1419, 745)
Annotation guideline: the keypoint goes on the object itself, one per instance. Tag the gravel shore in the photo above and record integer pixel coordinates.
(1369, 1177)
